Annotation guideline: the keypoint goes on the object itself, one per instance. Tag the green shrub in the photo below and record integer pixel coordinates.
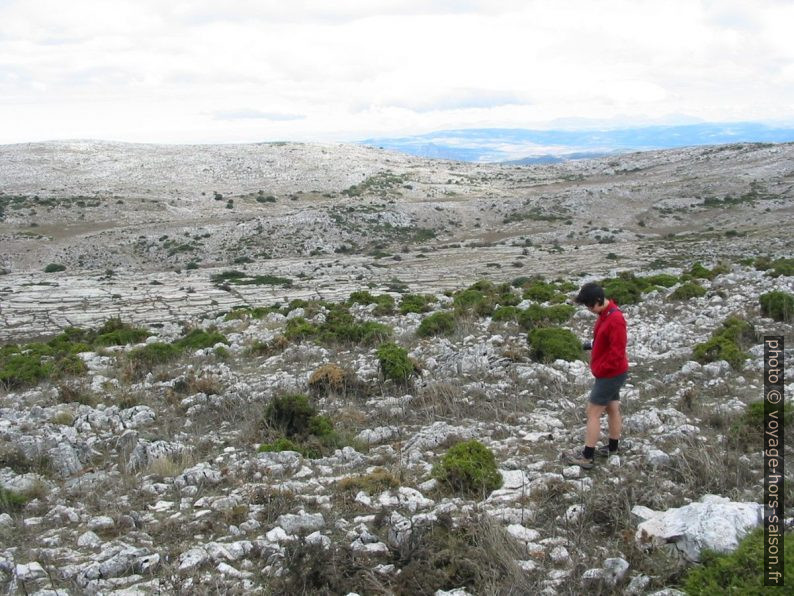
(10, 501)
(366, 333)
(688, 290)
(116, 333)
(302, 429)
(439, 323)
(539, 316)
(626, 289)
(31, 363)
(153, 354)
(782, 267)
(739, 572)
(472, 300)
(698, 271)
(416, 303)
(199, 339)
(506, 313)
(663, 279)
(726, 343)
(54, 268)
(394, 363)
(299, 328)
(539, 290)
(282, 444)
(775, 268)
(385, 303)
(291, 414)
(551, 343)
(777, 305)
(754, 414)
(341, 326)
(469, 467)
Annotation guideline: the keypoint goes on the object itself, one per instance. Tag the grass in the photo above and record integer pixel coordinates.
(375, 482)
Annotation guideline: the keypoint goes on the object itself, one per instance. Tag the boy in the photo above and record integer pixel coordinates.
(609, 365)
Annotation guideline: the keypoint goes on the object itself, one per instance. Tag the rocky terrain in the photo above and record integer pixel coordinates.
(132, 474)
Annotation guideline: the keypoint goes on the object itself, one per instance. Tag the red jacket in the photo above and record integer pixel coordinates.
(608, 358)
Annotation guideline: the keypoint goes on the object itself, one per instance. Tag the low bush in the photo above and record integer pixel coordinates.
(688, 290)
(506, 313)
(539, 290)
(332, 379)
(777, 305)
(439, 323)
(198, 339)
(154, 354)
(28, 364)
(662, 279)
(282, 444)
(780, 267)
(385, 303)
(541, 316)
(258, 312)
(727, 343)
(299, 328)
(395, 365)
(470, 468)
(738, 572)
(416, 303)
(54, 268)
(10, 501)
(31, 363)
(290, 414)
(114, 332)
(625, 289)
(294, 425)
(377, 481)
(472, 301)
(548, 344)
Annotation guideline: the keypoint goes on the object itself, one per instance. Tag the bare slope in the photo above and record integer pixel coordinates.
(331, 217)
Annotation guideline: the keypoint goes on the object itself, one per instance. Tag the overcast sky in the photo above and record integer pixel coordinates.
(261, 70)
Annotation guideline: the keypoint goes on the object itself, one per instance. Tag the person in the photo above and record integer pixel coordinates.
(609, 365)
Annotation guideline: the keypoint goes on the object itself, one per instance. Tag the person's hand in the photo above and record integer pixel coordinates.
(587, 345)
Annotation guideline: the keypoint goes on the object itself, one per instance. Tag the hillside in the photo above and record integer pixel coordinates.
(153, 433)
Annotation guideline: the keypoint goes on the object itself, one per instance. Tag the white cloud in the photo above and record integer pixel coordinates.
(245, 70)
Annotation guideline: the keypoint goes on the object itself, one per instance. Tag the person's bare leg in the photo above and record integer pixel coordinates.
(614, 419)
(593, 430)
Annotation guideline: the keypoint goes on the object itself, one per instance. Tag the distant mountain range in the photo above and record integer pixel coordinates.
(524, 146)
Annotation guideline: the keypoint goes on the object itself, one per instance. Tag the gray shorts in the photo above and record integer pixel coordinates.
(607, 390)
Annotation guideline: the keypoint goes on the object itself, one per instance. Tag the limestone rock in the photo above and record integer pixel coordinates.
(714, 522)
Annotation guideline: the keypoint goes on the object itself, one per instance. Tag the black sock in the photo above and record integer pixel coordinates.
(613, 445)
(588, 452)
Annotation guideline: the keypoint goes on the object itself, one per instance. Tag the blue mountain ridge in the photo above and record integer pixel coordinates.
(547, 146)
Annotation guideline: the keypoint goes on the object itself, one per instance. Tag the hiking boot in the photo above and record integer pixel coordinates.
(603, 450)
(577, 458)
